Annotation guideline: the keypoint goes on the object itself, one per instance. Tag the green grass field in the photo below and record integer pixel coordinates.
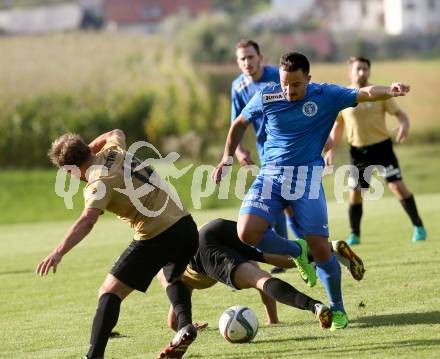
(394, 311)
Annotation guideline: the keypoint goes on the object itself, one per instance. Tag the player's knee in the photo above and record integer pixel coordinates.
(103, 290)
(356, 197)
(249, 234)
(242, 231)
(115, 287)
(399, 189)
(318, 247)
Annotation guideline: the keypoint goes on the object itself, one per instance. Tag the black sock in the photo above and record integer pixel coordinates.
(355, 215)
(180, 298)
(106, 317)
(284, 293)
(409, 204)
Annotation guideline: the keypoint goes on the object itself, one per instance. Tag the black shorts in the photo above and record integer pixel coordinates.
(221, 252)
(223, 261)
(367, 158)
(170, 250)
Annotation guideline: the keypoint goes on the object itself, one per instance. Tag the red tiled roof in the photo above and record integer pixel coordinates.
(150, 11)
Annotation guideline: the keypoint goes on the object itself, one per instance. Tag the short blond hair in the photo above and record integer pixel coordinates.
(69, 149)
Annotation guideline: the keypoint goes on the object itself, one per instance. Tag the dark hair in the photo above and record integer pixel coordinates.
(293, 61)
(247, 43)
(69, 149)
(354, 59)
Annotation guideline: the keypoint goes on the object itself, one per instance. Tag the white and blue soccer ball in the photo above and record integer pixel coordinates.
(238, 324)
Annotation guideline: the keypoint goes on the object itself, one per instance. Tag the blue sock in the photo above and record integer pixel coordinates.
(273, 243)
(280, 226)
(330, 275)
(293, 227)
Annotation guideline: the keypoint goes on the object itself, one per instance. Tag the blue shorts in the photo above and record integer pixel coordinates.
(271, 193)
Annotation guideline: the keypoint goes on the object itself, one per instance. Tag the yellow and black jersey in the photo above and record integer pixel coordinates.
(365, 123)
(149, 213)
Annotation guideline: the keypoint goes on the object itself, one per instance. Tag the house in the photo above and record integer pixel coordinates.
(146, 15)
(393, 17)
(41, 19)
(360, 15)
(411, 16)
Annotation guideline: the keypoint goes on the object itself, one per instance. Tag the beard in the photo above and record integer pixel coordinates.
(362, 82)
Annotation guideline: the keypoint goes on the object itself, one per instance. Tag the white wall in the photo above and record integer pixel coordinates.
(358, 15)
(393, 16)
(409, 16)
(292, 8)
(43, 19)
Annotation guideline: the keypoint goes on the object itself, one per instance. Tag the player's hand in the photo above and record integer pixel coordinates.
(329, 157)
(244, 157)
(328, 144)
(51, 261)
(201, 326)
(402, 132)
(398, 89)
(222, 169)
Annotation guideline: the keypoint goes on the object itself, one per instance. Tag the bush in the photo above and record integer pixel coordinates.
(29, 128)
(208, 38)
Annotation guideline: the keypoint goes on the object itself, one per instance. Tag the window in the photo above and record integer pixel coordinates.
(151, 12)
(364, 8)
(410, 5)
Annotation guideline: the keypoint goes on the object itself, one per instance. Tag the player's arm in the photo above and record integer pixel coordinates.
(235, 136)
(99, 142)
(270, 308)
(335, 138)
(237, 105)
(243, 156)
(403, 130)
(378, 93)
(76, 234)
(278, 260)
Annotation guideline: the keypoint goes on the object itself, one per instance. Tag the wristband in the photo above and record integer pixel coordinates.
(229, 161)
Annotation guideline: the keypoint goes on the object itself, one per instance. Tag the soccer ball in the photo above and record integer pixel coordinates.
(238, 324)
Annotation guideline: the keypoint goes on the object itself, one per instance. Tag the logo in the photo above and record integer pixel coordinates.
(273, 97)
(310, 109)
(154, 181)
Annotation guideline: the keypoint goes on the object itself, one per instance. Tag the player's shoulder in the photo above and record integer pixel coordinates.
(322, 87)
(272, 92)
(328, 88)
(272, 72)
(240, 82)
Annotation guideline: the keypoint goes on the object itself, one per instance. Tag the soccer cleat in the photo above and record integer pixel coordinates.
(353, 239)
(349, 259)
(277, 270)
(305, 269)
(419, 234)
(339, 320)
(180, 343)
(324, 315)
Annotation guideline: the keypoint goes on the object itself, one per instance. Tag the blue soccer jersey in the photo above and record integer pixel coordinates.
(297, 131)
(242, 90)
